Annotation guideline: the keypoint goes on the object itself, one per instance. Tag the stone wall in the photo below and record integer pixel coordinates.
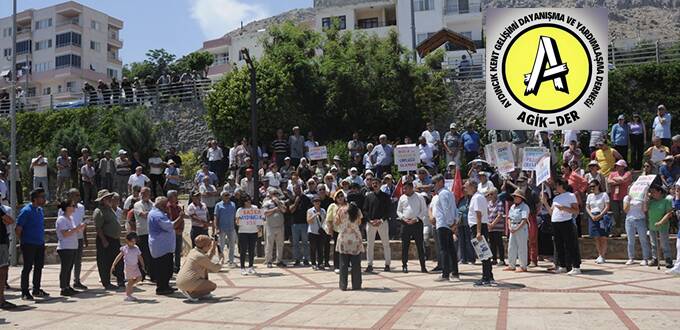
(182, 126)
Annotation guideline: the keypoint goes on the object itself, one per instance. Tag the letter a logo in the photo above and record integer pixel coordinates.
(556, 71)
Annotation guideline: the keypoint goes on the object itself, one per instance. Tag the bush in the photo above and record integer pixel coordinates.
(191, 164)
(338, 147)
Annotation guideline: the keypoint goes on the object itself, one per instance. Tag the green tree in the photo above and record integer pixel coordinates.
(138, 70)
(198, 61)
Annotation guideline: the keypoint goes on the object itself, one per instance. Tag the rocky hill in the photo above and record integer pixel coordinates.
(628, 19)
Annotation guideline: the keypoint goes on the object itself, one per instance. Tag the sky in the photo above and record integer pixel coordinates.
(179, 26)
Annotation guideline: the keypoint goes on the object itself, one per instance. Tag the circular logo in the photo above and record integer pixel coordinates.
(546, 68)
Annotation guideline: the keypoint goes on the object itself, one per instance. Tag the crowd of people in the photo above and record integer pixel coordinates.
(314, 203)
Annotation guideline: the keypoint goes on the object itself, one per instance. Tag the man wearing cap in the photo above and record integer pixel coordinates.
(452, 145)
(412, 211)
(87, 177)
(382, 155)
(39, 166)
(63, 172)
(618, 180)
(376, 211)
(445, 219)
(297, 146)
(205, 172)
(108, 240)
(354, 176)
(192, 279)
(661, 127)
(122, 164)
(620, 136)
(171, 176)
(669, 171)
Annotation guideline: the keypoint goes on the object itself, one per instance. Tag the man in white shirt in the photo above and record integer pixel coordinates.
(273, 175)
(39, 166)
(310, 143)
(564, 208)
(431, 136)
(478, 219)
(216, 160)
(569, 135)
(661, 127)
(137, 179)
(412, 211)
(141, 211)
(426, 152)
(445, 218)
(156, 173)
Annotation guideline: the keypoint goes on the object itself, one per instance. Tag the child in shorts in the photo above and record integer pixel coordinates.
(132, 257)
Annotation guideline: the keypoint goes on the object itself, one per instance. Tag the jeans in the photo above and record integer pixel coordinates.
(676, 265)
(383, 231)
(78, 261)
(566, 244)
(105, 257)
(487, 274)
(447, 251)
(34, 259)
(162, 270)
(143, 244)
(466, 253)
(178, 253)
(408, 233)
(497, 246)
(300, 235)
(517, 248)
(665, 246)
(639, 227)
(355, 261)
(228, 237)
(246, 246)
(67, 258)
(42, 182)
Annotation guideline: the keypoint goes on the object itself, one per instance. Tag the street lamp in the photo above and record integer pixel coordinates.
(13, 133)
(253, 120)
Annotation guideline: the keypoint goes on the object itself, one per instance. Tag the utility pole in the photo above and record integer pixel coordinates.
(253, 121)
(13, 135)
(413, 31)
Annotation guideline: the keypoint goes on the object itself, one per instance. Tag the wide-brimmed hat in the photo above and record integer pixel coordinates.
(104, 193)
(336, 157)
(171, 162)
(339, 191)
(593, 163)
(519, 193)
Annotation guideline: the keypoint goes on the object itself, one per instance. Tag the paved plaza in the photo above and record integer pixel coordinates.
(612, 296)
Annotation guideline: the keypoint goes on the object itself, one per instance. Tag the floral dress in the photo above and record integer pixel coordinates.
(349, 236)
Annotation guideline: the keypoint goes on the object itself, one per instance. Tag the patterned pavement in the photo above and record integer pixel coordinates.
(611, 296)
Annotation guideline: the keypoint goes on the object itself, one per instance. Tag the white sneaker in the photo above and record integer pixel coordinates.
(454, 278)
(251, 271)
(244, 272)
(207, 296)
(189, 297)
(337, 271)
(130, 298)
(560, 270)
(599, 260)
(630, 262)
(574, 271)
(644, 262)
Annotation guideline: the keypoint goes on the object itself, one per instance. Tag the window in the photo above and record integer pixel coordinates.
(68, 38)
(7, 32)
(95, 25)
(68, 60)
(420, 37)
(24, 47)
(221, 58)
(43, 44)
(96, 46)
(43, 23)
(327, 22)
(368, 23)
(71, 86)
(30, 92)
(47, 91)
(7, 52)
(42, 67)
(423, 5)
(111, 73)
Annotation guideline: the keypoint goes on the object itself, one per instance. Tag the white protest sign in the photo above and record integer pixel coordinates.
(639, 189)
(543, 170)
(407, 157)
(657, 155)
(505, 161)
(251, 217)
(481, 248)
(318, 153)
(531, 156)
(489, 154)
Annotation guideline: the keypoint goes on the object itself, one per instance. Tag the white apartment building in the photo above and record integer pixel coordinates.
(59, 48)
(369, 16)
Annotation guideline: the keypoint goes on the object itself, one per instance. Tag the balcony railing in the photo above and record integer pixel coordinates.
(454, 8)
(73, 21)
(374, 24)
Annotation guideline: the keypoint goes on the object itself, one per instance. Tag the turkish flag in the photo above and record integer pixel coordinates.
(398, 190)
(458, 185)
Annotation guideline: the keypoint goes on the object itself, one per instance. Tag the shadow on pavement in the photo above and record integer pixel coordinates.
(379, 290)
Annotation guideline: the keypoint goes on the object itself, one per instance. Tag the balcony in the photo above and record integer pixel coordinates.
(116, 23)
(372, 24)
(70, 8)
(69, 25)
(114, 41)
(24, 32)
(461, 7)
(114, 58)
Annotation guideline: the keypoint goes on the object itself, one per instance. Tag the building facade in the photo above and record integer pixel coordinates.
(59, 48)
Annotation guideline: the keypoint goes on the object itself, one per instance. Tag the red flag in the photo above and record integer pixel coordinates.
(458, 185)
(398, 189)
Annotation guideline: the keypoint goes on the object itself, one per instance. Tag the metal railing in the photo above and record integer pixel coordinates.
(141, 95)
(452, 7)
(472, 67)
(645, 52)
(363, 25)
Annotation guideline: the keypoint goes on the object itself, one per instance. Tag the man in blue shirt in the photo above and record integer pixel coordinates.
(445, 218)
(619, 136)
(31, 231)
(161, 245)
(383, 155)
(225, 211)
(470, 143)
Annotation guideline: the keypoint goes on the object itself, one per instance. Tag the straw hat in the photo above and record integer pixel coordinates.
(519, 193)
(103, 194)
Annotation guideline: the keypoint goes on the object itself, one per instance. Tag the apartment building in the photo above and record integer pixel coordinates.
(59, 48)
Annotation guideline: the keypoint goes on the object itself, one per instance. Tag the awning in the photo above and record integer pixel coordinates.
(443, 36)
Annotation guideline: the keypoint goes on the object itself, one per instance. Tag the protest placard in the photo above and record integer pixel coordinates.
(542, 170)
(251, 217)
(407, 157)
(489, 154)
(318, 153)
(531, 156)
(639, 188)
(505, 161)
